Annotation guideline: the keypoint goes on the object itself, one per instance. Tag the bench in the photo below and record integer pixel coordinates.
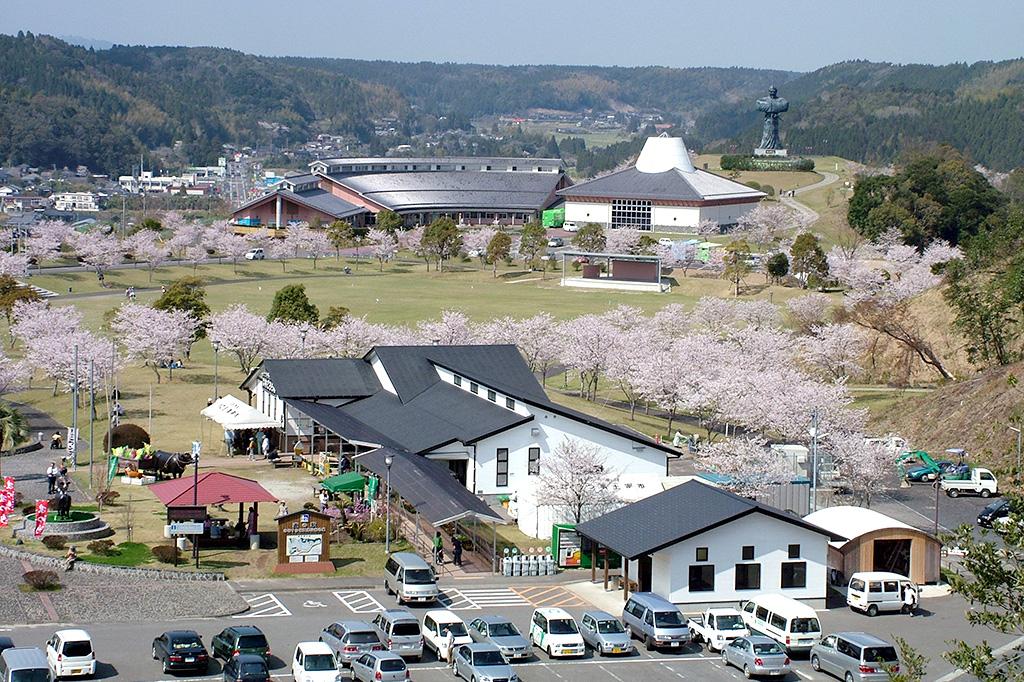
(286, 461)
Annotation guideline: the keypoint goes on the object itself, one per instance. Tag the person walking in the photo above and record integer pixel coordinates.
(51, 478)
(324, 500)
(251, 449)
(457, 551)
(909, 600)
(449, 646)
(438, 548)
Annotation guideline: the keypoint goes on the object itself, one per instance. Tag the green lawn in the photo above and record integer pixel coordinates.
(125, 554)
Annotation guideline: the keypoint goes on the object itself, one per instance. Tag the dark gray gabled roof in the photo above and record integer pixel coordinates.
(676, 514)
(318, 199)
(670, 185)
(342, 423)
(428, 486)
(454, 189)
(322, 378)
(500, 366)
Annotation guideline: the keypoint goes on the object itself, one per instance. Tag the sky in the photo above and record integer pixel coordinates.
(798, 35)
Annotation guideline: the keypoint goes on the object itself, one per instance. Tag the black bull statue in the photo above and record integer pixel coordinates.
(162, 463)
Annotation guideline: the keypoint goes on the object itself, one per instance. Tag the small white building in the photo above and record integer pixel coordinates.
(699, 544)
(477, 410)
(662, 192)
(77, 202)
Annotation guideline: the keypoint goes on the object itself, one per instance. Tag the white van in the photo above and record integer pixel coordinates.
(792, 624)
(314, 662)
(871, 592)
(556, 632)
(69, 653)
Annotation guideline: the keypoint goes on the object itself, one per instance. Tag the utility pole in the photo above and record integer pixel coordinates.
(814, 459)
(92, 415)
(74, 416)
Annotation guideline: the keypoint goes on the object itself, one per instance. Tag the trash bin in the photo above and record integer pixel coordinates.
(517, 565)
(506, 566)
(534, 565)
(549, 564)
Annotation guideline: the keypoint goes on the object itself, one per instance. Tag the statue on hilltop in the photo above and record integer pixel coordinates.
(772, 106)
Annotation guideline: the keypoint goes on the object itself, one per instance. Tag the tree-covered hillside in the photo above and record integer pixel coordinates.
(874, 112)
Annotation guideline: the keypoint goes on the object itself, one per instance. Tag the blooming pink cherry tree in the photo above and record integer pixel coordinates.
(412, 240)
(866, 466)
(748, 465)
(146, 245)
(453, 329)
(156, 337)
(99, 251)
(622, 240)
(13, 264)
(587, 342)
(537, 337)
(634, 349)
(46, 239)
(765, 223)
(576, 480)
(384, 246)
(184, 235)
(835, 350)
(810, 309)
(14, 374)
(707, 227)
(475, 242)
(240, 331)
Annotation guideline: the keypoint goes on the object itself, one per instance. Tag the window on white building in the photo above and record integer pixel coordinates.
(748, 576)
(631, 213)
(533, 465)
(748, 552)
(702, 577)
(492, 396)
(474, 387)
(458, 380)
(702, 554)
(502, 469)
(794, 574)
(794, 551)
(510, 404)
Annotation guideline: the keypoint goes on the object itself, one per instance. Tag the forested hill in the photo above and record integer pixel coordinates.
(872, 112)
(64, 105)
(478, 90)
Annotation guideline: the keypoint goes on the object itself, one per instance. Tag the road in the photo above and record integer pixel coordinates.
(288, 617)
(805, 210)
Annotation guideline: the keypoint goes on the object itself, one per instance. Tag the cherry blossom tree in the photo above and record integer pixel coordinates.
(98, 250)
(476, 241)
(537, 337)
(835, 350)
(314, 243)
(882, 279)
(633, 350)
(156, 337)
(764, 224)
(53, 354)
(352, 337)
(622, 240)
(866, 466)
(384, 246)
(46, 239)
(453, 329)
(242, 332)
(664, 376)
(718, 315)
(224, 241)
(576, 479)
(146, 245)
(282, 249)
(13, 264)
(184, 235)
(14, 374)
(683, 254)
(748, 465)
(707, 227)
(809, 310)
(672, 321)
(587, 341)
(412, 240)
(196, 255)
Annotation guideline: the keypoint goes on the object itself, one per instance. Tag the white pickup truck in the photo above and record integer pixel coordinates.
(978, 481)
(717, 627)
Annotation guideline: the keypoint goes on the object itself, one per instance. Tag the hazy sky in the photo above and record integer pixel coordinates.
(787, 34)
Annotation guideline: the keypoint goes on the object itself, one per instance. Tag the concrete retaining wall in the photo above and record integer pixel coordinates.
(120, 571)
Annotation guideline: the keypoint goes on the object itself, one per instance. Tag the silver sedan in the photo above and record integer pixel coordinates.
(502, 633)
(378, 666)
(756, 656)
(482, 661)
(603, 633)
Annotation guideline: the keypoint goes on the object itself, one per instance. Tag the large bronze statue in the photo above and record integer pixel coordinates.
(772, 106)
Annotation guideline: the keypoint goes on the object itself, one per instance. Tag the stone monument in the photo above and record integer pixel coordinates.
(772, 107)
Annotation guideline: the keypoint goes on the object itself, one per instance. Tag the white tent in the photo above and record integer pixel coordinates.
(233, 414)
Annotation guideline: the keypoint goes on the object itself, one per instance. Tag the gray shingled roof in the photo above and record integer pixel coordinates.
(322, 378)
(632, 184)
(319, 199)
(491, 190)
(342, 423)
(672, 516)
(428, 486)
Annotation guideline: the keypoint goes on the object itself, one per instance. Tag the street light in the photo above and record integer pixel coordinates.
(216, 369)
(387, 509)
(813, 432)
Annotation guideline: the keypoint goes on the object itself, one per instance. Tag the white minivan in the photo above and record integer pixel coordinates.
(556, 632)
(69, 653)
(791, 623)
(314, 662)
(871, 592)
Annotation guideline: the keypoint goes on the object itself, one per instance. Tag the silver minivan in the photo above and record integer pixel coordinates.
(855, 656)
(400, 632)
(655, 621)
(24, 664)
(410, 579)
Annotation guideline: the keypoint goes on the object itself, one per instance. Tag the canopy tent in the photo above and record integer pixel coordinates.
(350, 482)
(233, 414)
(428, 486)
(214, 487)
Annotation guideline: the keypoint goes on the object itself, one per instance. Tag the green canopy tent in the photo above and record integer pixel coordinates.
(350, 482)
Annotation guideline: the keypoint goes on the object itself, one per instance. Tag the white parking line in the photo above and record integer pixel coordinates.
(358, 601)
(264, 606)
(995, 652)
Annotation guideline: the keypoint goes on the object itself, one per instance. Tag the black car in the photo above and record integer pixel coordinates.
(6, 643)
(246, 668)
(240, 639)
(994, 510)
(181, 650)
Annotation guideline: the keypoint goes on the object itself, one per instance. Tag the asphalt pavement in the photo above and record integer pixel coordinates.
(290, 616)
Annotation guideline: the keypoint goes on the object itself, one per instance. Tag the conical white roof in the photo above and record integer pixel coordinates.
(664, 153)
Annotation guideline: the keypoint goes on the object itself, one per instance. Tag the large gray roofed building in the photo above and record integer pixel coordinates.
(322, 378)
(670, 185)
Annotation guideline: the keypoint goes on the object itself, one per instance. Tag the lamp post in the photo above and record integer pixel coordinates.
(1016, 474)
(216, 369)
(387, 505)
(304, 330)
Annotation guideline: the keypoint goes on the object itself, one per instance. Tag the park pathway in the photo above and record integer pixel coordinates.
(805, 210)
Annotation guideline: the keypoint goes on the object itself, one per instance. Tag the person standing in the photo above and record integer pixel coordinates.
(324, 500)
(438, 548)
(449, 646)
(457, 550)
(266, 448)
(51, 478)
(251, 449)
(909, 600)
(282, 508)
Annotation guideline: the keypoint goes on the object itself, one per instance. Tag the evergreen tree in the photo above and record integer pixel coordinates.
(292, 305)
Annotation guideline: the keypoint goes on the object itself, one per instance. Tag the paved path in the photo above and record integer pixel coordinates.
(29, 468)
(805, 210)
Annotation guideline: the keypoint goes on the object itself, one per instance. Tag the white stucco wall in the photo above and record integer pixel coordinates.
(771, 539)
(584, 212)
(728, 214)
(675, 216)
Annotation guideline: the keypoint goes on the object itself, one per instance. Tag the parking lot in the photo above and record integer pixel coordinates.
(288, 617)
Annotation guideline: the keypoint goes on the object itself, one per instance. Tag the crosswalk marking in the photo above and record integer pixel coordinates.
(480, 598)
(358, 601)
(264, 606)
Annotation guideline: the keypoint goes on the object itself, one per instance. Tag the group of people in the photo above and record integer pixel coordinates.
(129, 293)
(57, 480)
(439, 549)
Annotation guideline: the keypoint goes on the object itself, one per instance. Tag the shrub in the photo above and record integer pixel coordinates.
(55, 541)
(107, 496)
(130, 435)
(768, 189)
(102, 547)
(41, 580)
(167, 554)
(753, 184)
